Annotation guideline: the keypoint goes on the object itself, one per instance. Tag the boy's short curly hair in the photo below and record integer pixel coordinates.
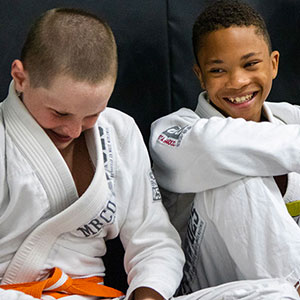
(224, 14)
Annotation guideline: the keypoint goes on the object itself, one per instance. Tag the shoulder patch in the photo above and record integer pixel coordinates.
(173, 135)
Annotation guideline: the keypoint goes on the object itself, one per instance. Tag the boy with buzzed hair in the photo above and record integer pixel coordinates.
(75, 174)
(230, 169)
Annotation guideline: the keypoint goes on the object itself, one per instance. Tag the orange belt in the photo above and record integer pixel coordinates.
(60, 285)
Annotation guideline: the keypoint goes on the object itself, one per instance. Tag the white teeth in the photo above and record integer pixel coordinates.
(241, 99)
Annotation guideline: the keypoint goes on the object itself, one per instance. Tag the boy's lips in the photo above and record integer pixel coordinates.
(60, 137)
(241, 99)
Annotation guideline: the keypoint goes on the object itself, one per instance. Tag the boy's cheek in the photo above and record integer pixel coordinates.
(214, 84)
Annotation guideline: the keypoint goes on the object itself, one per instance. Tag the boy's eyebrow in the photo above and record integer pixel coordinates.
(246, 56)
(219, 61)
(71, 114)
(214, 61)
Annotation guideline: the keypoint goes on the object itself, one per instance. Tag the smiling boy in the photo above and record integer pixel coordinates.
(224, 174)
(236, 67)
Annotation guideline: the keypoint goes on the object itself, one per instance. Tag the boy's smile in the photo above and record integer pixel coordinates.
(236, 69)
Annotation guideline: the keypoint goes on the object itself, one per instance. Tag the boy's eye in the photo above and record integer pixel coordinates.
(251, 63)
(59, 114)
(216, 71)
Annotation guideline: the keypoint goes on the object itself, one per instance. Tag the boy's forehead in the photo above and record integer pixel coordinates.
(233, 40)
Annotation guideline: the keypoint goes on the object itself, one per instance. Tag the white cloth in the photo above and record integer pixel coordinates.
(44, 224)
(264, 289)
(235, 227)
(215, 151)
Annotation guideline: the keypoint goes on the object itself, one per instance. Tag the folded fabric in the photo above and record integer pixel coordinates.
(59, 285)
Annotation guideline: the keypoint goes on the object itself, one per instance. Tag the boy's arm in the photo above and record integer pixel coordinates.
(144, 293)
(191, 154)
(153, 256)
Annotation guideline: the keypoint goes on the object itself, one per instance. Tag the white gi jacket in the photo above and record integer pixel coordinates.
(44, 224)
(235, 224)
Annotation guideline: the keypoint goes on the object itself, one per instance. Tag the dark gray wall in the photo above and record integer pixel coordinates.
(155, 52)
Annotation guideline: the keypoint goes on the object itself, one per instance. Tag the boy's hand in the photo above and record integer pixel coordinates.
(297, 287)
(144, 293)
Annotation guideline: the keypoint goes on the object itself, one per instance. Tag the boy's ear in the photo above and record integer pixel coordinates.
(275, 63)
(199, 75)
(19, 75)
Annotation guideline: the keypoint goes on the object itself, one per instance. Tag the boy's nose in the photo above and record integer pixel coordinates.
(73, 129)
(237, 79)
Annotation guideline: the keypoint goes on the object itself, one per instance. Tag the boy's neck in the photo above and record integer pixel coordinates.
(77, 158)
(263, 118)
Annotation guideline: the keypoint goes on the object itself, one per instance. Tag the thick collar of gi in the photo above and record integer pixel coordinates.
(55, 177)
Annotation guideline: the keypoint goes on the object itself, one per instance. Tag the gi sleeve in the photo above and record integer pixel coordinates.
(153, 256)
(14, 295)
(193, 154)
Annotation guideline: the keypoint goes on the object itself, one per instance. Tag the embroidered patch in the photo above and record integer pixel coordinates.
(155, 189)
(194, 236)
(173, 136)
